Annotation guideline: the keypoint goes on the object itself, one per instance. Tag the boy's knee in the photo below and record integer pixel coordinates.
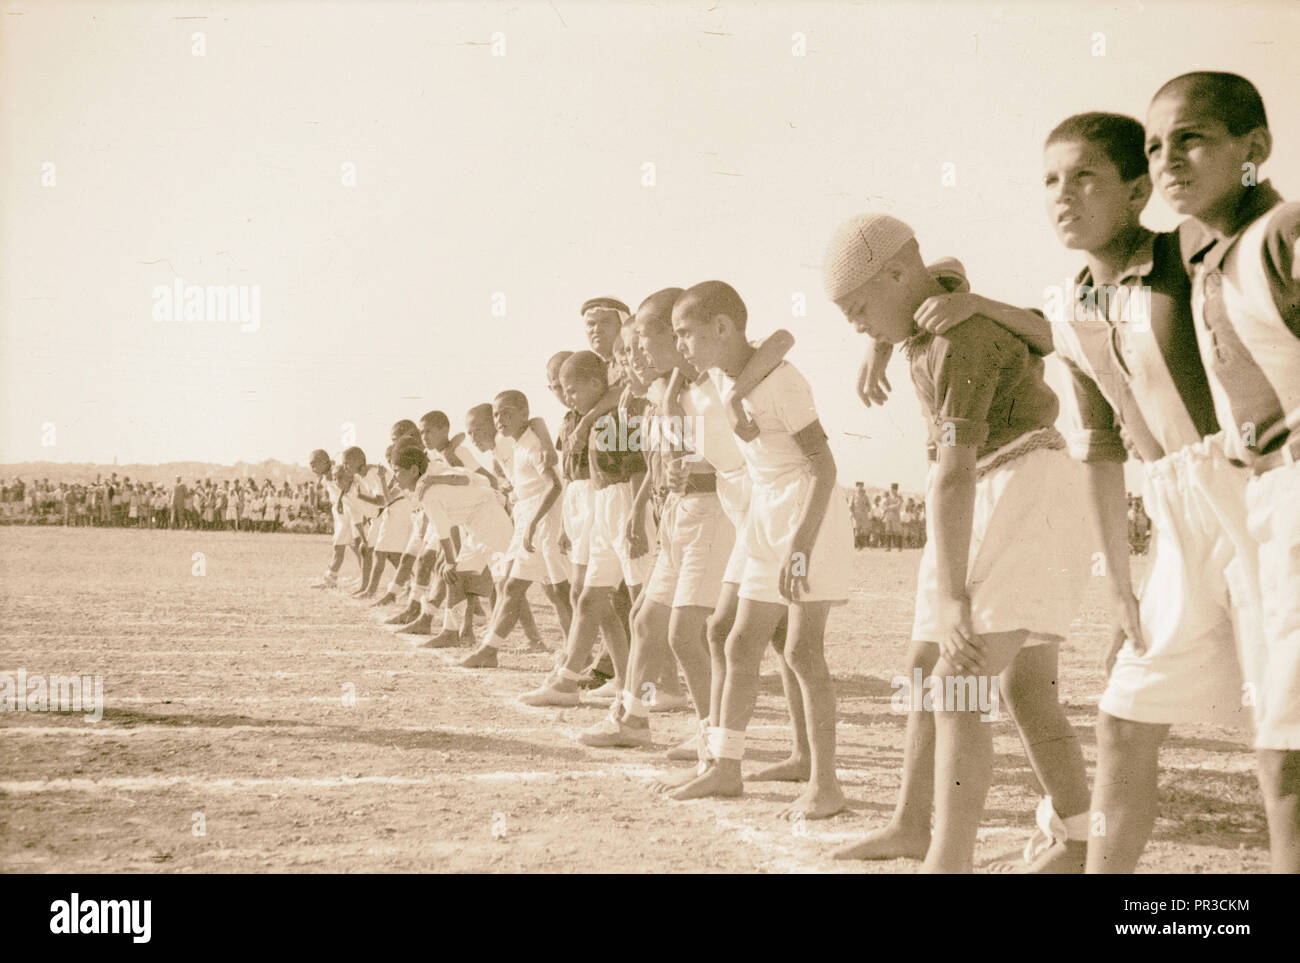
(716, 631)
(591, 600)
(803, 657)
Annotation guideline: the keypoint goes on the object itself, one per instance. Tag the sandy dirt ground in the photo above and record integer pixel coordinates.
(299, 735)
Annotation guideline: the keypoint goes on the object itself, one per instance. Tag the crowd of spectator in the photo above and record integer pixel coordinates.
(235, 504)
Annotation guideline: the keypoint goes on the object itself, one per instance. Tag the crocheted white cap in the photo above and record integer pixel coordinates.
(859, 248)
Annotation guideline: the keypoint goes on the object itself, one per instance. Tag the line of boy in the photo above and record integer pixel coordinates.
(1172, 655)
(625, 485)
(610, 522)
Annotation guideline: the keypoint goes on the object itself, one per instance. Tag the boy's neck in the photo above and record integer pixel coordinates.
(1109, 261)
(735, 356)
(1222, 217)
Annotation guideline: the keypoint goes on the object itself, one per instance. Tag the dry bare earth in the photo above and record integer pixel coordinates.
(223, 696)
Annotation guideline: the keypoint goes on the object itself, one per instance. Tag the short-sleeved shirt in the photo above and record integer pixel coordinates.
(781, 406)
(1246, 305)
(980, 385)
(574, 458)
(524, 462)
(615, 448)
(715, 440)
(1132, 358)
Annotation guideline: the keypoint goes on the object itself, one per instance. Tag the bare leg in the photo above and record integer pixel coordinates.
(1279, 781)
(805, 654)
(1029, 686)
(749, 637)
(963, 761)
(798, 766)
(1124, 795)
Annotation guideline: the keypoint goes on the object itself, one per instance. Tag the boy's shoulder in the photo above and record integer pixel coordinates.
(976, 338)
(783, 378)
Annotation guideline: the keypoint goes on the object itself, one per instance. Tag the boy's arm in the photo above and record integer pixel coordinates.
(954, 513)
(943, 312)
(427, 480)
(873, 386)
(765, 359)
(544, 436)
(1110, 524)
(547, 501)
(607, 403)
(794, 573)
(636, 534)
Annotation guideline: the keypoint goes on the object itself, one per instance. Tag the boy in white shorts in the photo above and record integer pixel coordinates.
(481, 436)
(362, 500)
(393, 529)
(695, 533)
(323, 467)
(616, 465)
(987, 584)
(798, 541)
(469, 505)
(534, 551)
(1206, 136)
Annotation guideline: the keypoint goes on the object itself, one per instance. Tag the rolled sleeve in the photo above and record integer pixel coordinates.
(965, 380)
(1094, 431)
(1281, 259)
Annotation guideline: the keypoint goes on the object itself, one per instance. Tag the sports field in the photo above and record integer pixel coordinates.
(299, 735)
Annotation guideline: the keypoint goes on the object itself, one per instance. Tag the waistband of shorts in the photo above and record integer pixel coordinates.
(599, 485)
(1288, 453)
(1040, 439)
(1209, 451)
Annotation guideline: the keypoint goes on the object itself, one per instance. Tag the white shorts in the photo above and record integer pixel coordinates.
(735, 569)
(774, 514)
(486, 546)
(415, 541)
(1030, 549)
(1271, 653)
(1189, 671)
(579, 497)
(695, 542)
(611, 559)
(394, 527)
(343, 534)
(545, 562)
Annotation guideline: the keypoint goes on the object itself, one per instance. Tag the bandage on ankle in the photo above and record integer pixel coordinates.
(568, 674)
(726, 743)
(634, 705)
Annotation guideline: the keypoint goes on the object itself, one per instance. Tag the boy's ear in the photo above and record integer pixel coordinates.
(1260, 145)
(1140, 191)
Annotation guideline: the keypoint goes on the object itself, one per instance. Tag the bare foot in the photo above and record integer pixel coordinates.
(816, 803)
(446, 639)
(388, 599)
(535, 646)
(675, 779)
(484, 657)
(421, 626)
(713, 782)
(795, 769)
(892, 842)
(404, 616)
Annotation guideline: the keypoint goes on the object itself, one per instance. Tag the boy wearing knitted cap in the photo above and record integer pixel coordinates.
(798, 541)
(987, 587)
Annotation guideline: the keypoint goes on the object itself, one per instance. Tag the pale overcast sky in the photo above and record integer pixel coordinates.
(128, 162)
